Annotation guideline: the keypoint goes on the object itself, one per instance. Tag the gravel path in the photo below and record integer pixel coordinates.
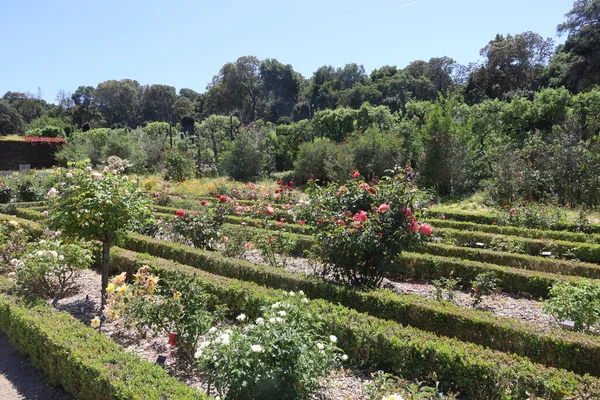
(19, 380)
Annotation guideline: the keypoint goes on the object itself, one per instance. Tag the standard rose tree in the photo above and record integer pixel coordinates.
(96, 205)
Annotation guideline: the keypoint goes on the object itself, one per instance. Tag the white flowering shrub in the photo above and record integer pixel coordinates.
(13, 239)
(49, 267)
(280, 355)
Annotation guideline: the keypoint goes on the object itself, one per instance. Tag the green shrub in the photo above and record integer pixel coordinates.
(49, 267)
(313, 159)
(201, 228)
(179, 165)
(579, 303)
(281, 354)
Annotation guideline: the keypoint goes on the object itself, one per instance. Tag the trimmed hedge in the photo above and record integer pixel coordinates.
(477, 372)
(560, 248)
(83, 361)
(514, 280)
(33, 228)
(516, 231)
(488, 218)
(523, 261)
(505, 334)
(37, 152)
(30, 214)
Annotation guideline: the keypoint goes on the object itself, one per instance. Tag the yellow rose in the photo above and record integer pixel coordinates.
(95, 322)
(110, 288)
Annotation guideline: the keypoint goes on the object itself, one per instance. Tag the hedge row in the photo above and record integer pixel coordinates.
(559, 248)
(30, 214)
(477, 372)
(514, 280)
(517, 231)
(83, 361)
(480, 217)
(505, 334)
(33, 228)
(523, 261)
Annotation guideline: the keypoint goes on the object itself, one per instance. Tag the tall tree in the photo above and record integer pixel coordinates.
(11, 122)
(119, 102)
(282, 88)
(577, 62)
(157, 102)
(511, 64)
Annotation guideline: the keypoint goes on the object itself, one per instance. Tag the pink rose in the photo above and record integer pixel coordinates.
(383, 208)
(413, 227)
(270, 210)
(426, 229)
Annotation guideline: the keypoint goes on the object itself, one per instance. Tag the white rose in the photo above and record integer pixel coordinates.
(241, 317)
(256, 348)
(333, 339)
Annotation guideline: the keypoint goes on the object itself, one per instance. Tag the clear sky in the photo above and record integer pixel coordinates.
(62, 44)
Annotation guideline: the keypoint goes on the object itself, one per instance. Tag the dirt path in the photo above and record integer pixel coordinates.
(19, 380)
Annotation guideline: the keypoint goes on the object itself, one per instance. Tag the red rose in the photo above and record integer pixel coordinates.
(180, 213)
(408, 213)
(203, 203)
(172, 339)
(426, 229)
(356, 174)
(301, 222)
(223, 198)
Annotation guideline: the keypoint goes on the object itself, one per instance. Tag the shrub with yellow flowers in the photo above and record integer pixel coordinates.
(176, 307)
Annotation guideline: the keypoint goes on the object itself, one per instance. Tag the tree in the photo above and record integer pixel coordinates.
(217, 129)
(30, 106)
(157, 102)
(237, 88)
(576, 63)
(11, 122)
(119, 102)
(85, 107)
(96, 206)
(281, 87)
(511, 63)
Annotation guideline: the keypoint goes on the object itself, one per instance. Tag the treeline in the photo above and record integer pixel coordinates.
(513, 66)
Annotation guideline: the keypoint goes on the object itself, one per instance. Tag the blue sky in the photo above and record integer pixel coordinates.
(62, 44)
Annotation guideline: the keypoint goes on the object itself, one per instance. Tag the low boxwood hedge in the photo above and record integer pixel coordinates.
(480, 217)
(505, 334)
(559, 248)
(477, 372)
(83, 361)
(524, 261)
(516, 231)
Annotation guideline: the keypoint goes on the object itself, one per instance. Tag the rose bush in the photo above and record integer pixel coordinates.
(363, 226)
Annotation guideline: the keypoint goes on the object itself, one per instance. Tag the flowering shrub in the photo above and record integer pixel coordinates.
(179, 165)
(201, 228)
(49, 267)
(578, 303)
(277, 356)
(364, 226)
(96, 205)
(13, 240)
(176, 308)
(530, 215)
(6, 193)
(484, 284)
(384, 386)
(272, 243)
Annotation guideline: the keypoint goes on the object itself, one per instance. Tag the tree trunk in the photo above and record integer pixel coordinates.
(105, 255)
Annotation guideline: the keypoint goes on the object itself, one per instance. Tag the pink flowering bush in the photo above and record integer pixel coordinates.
(364, 226)
(200, 228)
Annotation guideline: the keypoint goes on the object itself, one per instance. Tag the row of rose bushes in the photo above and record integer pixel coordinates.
(550, 265)
(83, 361)
(551, 348)
(516, 273)
(488, 218)
(475, 371)
(518, 244)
